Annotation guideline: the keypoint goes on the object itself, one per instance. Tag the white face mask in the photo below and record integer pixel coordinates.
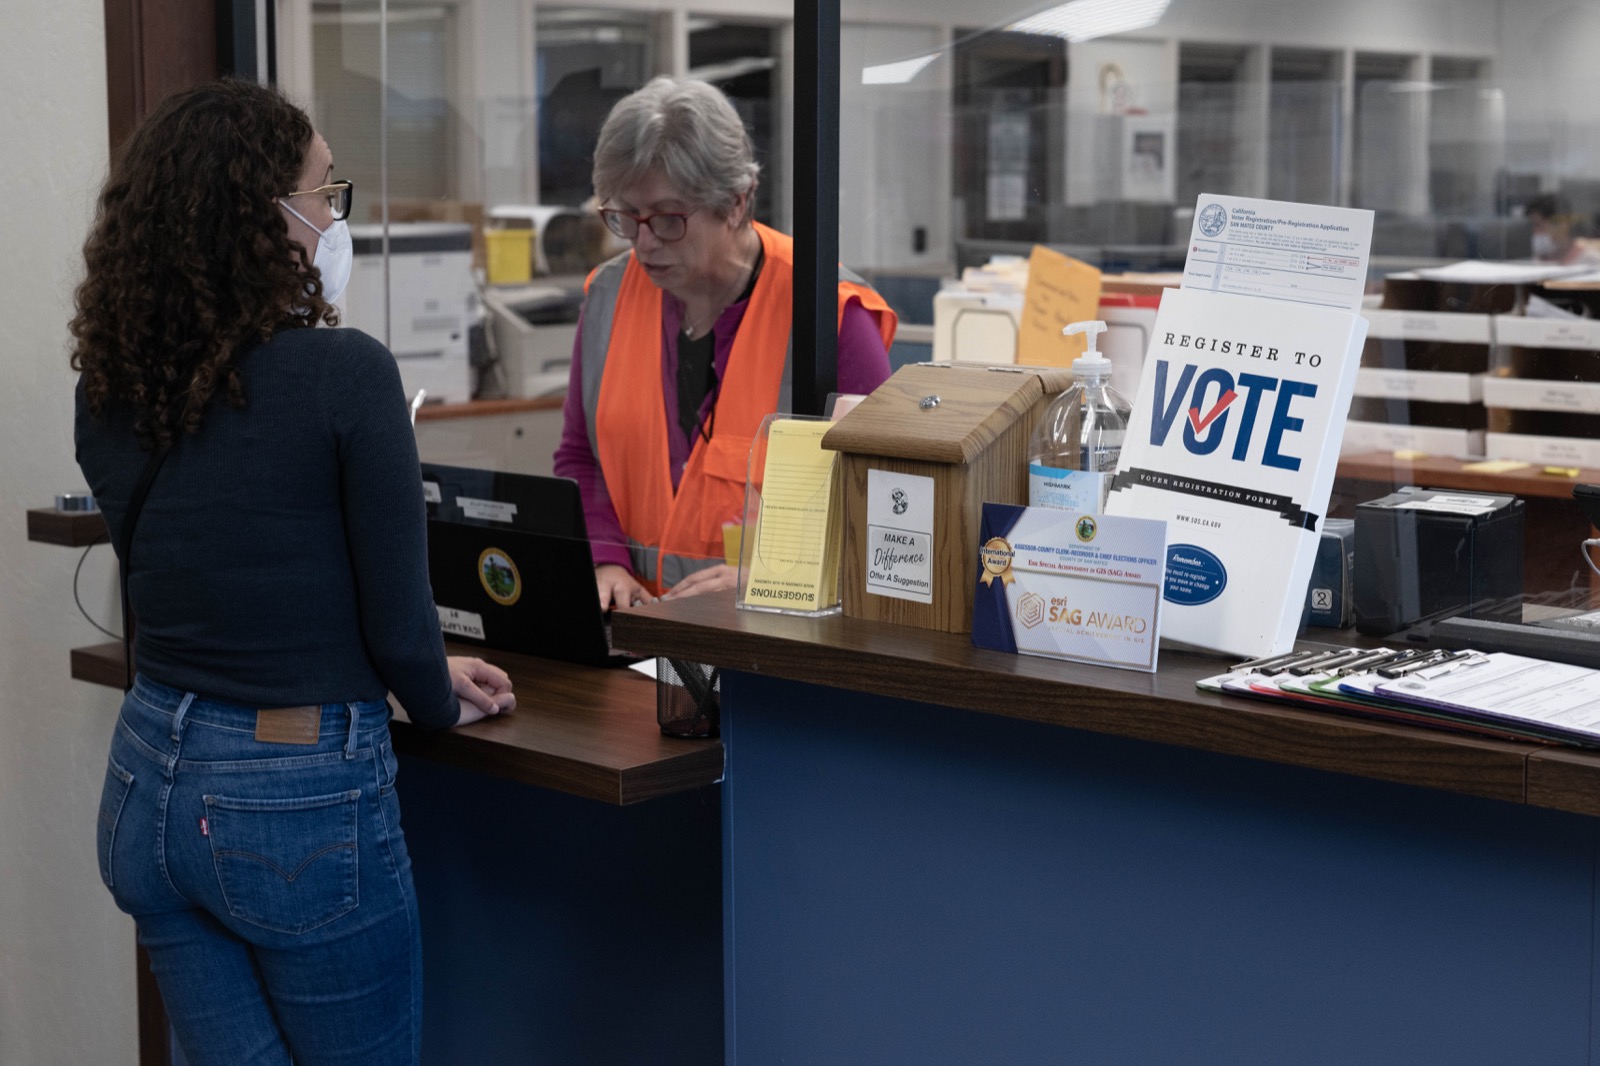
(335, 255)
(1544, 246)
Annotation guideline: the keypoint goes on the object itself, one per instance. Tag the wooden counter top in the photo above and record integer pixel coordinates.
(915, 664)
(435, 412)
(72, 529)
(584, 730)
(1437, 472)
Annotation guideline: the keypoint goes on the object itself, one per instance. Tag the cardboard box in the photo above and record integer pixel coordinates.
(1541, 394)
(1427, 385)
(976, 327)
(1362, 437)
(1574, 333)
(1533, 448)
(1440, 327)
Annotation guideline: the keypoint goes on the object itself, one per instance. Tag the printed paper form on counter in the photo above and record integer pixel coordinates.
(1301, 253)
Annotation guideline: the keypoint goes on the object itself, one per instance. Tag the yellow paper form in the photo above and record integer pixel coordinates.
(794, 562)
(1061, 291)
(1495, 466)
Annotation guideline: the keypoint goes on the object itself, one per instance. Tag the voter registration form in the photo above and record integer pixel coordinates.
(1302, 253)
(1562, 699)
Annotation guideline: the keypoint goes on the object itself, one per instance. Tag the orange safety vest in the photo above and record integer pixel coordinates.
(672, 534)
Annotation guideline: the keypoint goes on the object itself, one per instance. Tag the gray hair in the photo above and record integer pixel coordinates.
(689, 132)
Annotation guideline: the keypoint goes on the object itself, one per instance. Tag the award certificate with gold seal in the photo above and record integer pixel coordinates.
(1082, 587)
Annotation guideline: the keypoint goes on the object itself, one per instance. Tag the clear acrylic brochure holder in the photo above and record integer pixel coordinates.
(751, 532)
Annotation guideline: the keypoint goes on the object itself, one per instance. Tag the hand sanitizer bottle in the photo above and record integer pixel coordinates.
(1076, 445)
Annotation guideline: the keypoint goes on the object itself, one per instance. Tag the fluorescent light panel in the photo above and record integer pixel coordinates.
(897, 73)
(1078, 20)
(1082, 20)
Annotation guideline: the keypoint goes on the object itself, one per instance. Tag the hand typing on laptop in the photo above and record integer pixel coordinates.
(618, 588)
(712, 578)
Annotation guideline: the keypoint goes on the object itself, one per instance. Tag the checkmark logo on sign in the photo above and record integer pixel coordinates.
(1222, 403)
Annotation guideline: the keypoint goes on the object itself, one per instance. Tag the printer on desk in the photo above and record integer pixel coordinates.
(532, 329)
(433, 302)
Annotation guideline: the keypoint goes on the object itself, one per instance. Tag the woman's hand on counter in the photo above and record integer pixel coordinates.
(618, 588)
(712, 578)
(483, 689)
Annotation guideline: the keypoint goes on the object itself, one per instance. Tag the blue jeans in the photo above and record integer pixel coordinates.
(269, 881)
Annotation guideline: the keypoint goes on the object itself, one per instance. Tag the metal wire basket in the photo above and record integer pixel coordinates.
(688, 698)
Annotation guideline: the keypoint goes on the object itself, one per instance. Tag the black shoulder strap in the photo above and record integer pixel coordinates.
(125, 545)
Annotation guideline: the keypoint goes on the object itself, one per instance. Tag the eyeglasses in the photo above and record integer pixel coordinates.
(339, 194)
(666, 225)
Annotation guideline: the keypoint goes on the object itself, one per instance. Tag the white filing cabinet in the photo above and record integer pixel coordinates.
(511, 436)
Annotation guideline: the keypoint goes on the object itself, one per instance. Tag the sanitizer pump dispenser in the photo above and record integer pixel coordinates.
(1076, 445)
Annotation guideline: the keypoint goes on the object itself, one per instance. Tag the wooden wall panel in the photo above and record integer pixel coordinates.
(153, 49)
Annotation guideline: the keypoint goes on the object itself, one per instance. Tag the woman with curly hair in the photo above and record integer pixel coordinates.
(277, 568)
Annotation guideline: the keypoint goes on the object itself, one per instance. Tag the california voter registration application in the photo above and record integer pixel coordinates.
(1281, 251)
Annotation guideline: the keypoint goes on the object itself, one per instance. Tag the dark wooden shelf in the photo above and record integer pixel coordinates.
(587, 731)
(916, 664)
(1434, 472)
(437, 412)
(69, 529)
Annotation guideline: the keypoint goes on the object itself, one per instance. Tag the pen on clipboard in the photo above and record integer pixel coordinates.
(1271, 662)
(1370, 661)
(1324, 664)
(1468, 658)
(1392, 659)
(1431, 658)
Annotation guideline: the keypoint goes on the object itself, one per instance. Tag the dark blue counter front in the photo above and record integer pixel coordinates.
(908, 883)
(559, 930)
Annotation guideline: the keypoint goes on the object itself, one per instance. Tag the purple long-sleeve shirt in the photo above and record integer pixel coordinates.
(863, 366)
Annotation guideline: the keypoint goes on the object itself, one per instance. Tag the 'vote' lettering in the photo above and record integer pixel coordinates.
(1205, 402)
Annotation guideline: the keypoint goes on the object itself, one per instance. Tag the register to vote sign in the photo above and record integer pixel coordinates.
(1081, 587)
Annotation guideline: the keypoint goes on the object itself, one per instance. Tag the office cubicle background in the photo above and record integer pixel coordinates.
(969, 131)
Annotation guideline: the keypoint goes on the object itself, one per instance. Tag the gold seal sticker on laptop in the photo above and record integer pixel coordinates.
(500, 577)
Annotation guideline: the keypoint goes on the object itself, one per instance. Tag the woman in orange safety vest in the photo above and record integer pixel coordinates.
(683, 345)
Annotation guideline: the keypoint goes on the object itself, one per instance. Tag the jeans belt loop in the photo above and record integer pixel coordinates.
(350, 742)
(179, 715)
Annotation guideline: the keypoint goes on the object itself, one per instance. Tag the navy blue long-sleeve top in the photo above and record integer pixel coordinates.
(281, 556)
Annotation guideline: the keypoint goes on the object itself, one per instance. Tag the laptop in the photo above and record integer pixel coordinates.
(509, 560)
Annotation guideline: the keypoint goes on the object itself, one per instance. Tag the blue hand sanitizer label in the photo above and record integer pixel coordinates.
(1083, 491)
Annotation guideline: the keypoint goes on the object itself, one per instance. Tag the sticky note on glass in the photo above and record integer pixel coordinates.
(1061, 290)
(794, 550)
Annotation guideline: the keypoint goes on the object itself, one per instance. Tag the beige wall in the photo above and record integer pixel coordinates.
(66, 954)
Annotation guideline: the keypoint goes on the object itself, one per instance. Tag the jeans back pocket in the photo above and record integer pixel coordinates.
(288, 865)
(113, 795)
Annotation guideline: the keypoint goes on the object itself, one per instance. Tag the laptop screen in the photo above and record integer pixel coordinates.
(510, 565)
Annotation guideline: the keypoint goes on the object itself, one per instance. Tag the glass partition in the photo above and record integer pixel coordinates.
(968, 133)
(468, 127)
(1092, 128)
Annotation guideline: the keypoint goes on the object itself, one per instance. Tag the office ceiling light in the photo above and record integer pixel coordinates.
(896, 73)
(733, 68)
(1083, 20)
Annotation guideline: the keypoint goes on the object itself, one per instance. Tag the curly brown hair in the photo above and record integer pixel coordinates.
(189, 262)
